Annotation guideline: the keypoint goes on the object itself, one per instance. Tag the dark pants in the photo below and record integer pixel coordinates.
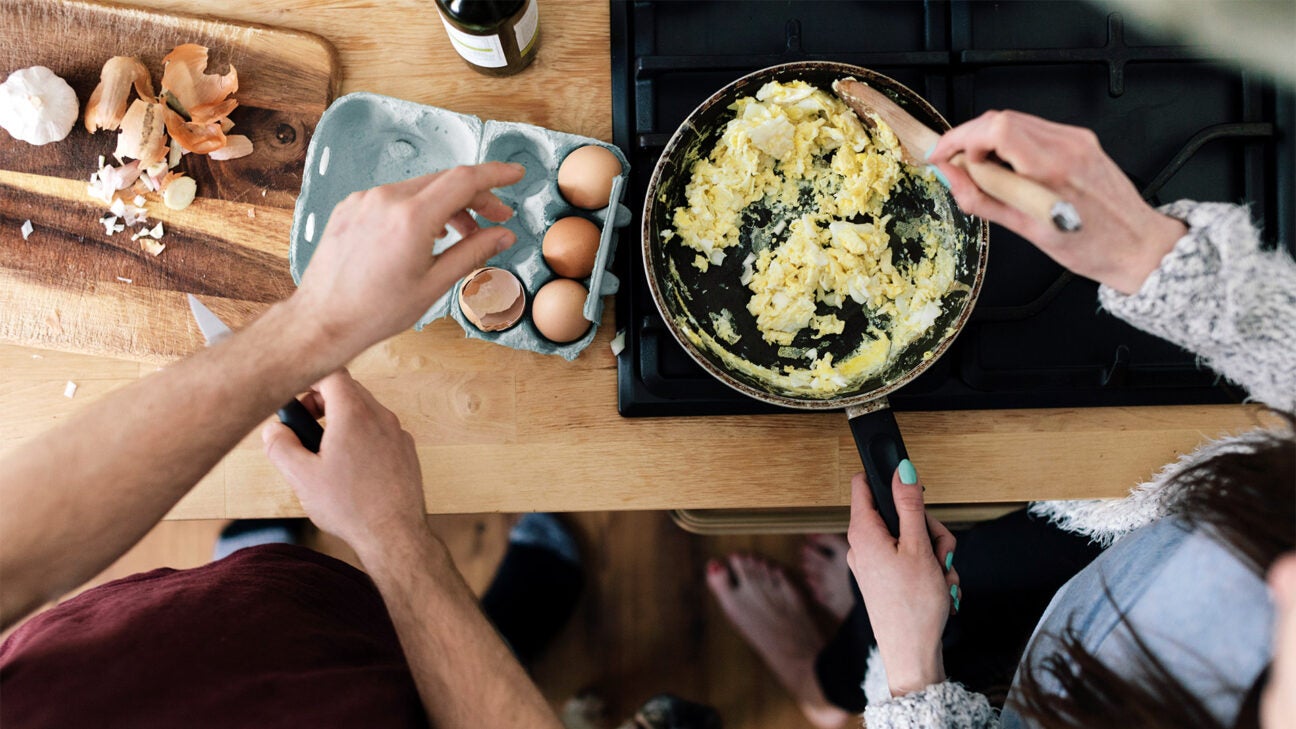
(1009, 569)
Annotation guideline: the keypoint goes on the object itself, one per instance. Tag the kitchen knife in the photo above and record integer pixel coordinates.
(294, 414)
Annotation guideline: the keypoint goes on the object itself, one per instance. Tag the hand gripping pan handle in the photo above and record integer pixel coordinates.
(881, 448)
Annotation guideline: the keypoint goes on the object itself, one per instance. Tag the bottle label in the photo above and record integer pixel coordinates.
(527, 26)
(483, 50)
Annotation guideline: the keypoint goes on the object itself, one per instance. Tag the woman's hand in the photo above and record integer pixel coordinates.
(365, 484)
(907, 589)
(374, 273)
(1123, 239)
(1278, 702)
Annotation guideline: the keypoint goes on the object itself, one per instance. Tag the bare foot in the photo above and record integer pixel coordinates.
(823, 561)
(771, 615)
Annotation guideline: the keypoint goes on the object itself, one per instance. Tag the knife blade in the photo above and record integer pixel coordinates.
(294, 414)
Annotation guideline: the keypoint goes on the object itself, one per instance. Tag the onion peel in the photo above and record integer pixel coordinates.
(236, 145)
(184, 77)
(143, 133)
(200, 138)
(107, 104)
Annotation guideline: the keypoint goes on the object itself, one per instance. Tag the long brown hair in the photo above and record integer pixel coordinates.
(1247, 497)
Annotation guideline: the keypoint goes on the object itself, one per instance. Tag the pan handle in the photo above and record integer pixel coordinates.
(881, 448)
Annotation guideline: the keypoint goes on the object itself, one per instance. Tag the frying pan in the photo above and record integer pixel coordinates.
(689, 301)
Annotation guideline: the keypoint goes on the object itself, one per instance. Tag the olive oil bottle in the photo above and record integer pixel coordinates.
(495, 37)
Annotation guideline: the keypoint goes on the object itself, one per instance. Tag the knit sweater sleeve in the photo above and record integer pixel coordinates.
(941, 706)
(1220, 295)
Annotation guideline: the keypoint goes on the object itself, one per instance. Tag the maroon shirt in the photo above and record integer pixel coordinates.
(272, 636)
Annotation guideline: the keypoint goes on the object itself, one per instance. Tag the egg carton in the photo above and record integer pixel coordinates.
(365, 140)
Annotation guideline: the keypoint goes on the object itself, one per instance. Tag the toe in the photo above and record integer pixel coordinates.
(719, 578)
(813, 559)
(743, 568)
(829, 544)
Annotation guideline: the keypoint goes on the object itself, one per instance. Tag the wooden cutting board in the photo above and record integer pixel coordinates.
(72, 287)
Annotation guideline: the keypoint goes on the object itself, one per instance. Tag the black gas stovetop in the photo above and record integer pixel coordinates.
(1178, 122)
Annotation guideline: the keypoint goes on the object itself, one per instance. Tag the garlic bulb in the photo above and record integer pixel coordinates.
(37, 106)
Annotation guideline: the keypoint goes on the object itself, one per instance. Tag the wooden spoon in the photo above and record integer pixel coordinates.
(997, 181)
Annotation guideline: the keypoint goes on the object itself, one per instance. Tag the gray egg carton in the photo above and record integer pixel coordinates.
(366, 140)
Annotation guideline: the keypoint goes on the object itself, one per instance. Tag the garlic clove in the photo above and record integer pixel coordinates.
(107, 103)
(179, 192)
(492, 299)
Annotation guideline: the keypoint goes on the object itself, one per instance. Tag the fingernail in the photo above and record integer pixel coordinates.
(939, 175)
(954, 593)
(949, 560)
(928, 154)
(506, 239)
(518, 166)
(908, 475)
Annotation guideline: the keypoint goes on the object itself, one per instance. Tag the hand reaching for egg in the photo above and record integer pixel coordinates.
(374, 273)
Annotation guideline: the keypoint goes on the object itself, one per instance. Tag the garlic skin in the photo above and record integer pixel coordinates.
(37, 106)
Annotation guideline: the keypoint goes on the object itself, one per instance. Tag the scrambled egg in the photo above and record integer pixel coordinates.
(804, 156)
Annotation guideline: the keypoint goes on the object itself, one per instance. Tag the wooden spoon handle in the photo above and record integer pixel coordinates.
(1021, 193)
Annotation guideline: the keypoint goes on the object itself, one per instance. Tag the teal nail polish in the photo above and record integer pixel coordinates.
(927, 155)
(939, 175)
(954, 593)
(949, 560)
(908, 475)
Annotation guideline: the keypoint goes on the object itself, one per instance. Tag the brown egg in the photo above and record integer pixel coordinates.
(585, 176)
(557, 310)
(492, 299)
(570, 247)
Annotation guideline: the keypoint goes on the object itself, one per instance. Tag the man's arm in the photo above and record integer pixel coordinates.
(365, 486)
(78, 496)
(466, 675)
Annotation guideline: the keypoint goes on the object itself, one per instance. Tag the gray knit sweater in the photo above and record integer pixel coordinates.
(1216, 294)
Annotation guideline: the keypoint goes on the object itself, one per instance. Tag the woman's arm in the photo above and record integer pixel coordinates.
(909, 594)
(1192, 273)
(1219, 295)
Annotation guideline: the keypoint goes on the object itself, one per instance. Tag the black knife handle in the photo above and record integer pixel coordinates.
(303, 425)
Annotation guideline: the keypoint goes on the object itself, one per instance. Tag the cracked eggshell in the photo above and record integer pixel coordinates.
(492, 299)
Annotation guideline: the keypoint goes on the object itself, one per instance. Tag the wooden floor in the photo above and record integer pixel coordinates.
(647, 623)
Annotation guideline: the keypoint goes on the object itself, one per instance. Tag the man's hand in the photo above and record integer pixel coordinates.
(1123, 239)
(906, 588)
(373, 274)
(365, 484)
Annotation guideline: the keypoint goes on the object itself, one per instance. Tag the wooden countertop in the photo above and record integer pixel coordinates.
(503, 430)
